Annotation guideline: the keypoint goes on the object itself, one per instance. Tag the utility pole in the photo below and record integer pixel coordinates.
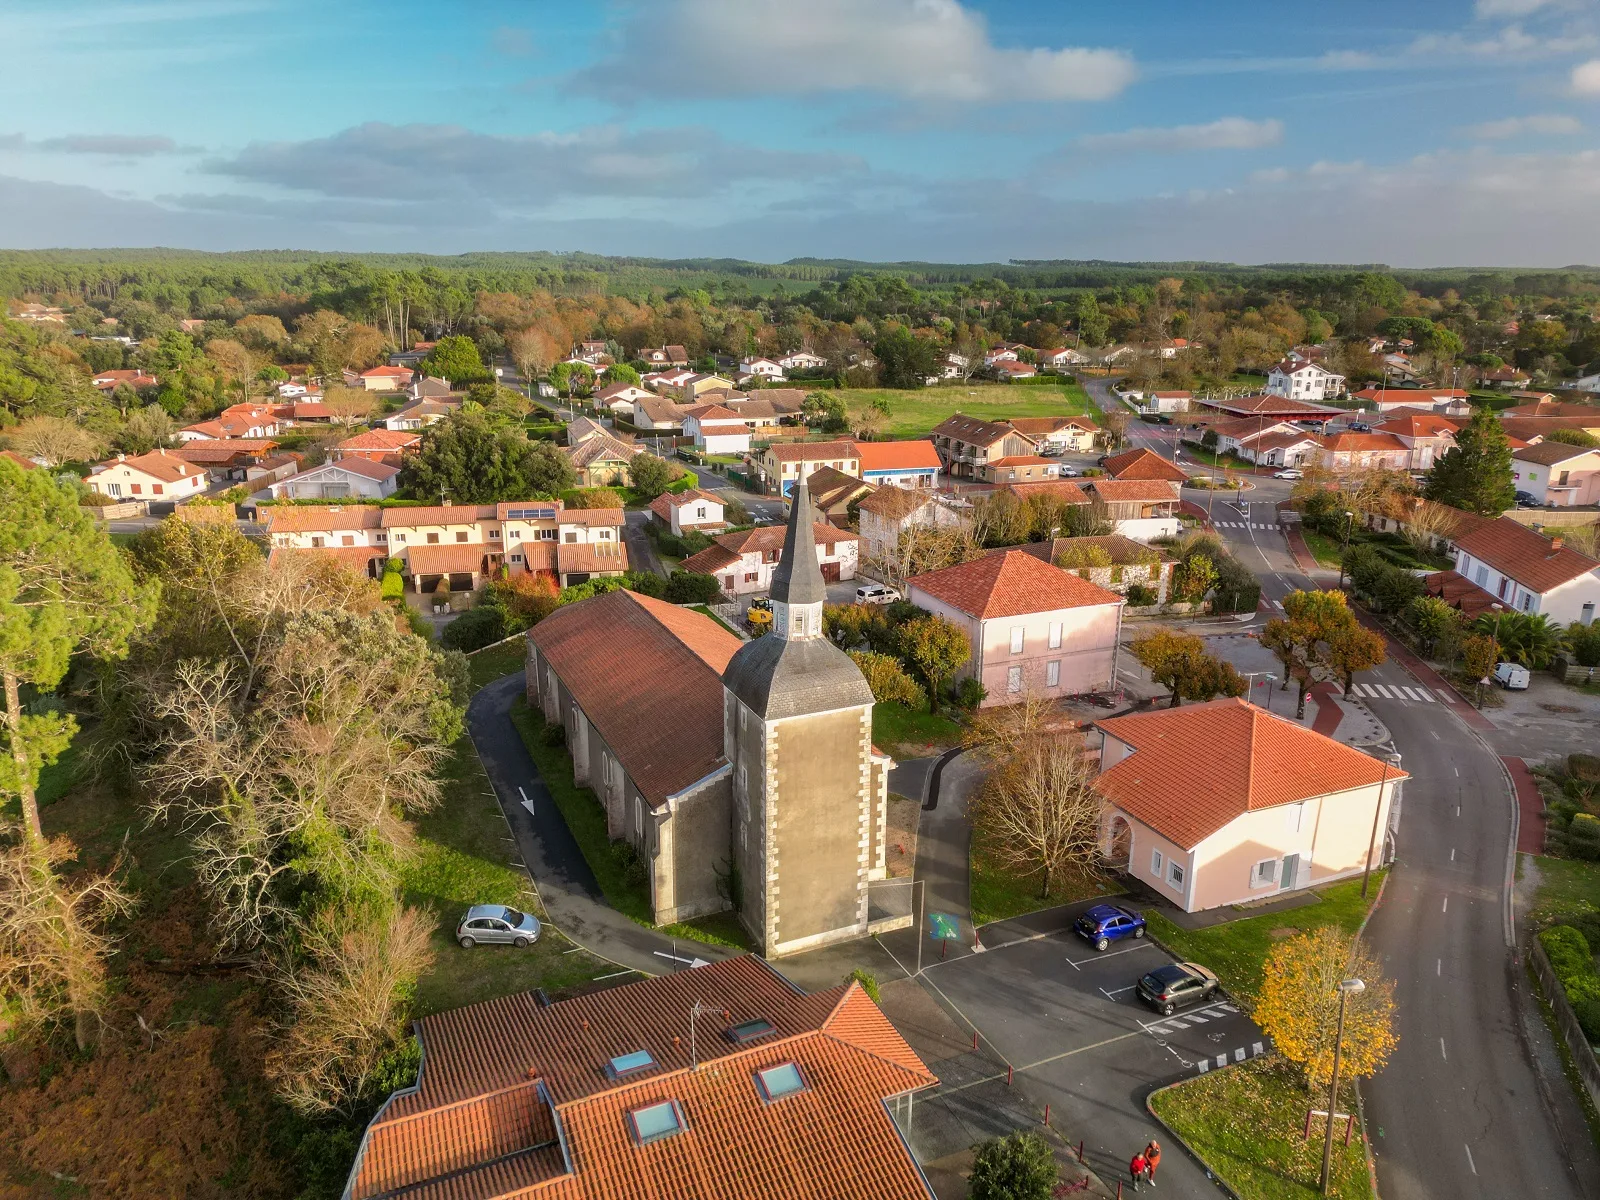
(1392, 759)
(1347, 988)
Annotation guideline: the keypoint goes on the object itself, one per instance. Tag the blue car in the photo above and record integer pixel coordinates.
(1106, 923)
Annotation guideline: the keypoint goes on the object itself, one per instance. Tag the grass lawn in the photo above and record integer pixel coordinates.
(492, 662)
(1246, 1122)
(1328, 550)
(914, 413)
(1568, 888)
(905, 733)
(583, 815)
(702, 608)
(1236, 950)
(999, 892)
(1323, 548)
(1200, 454)
(463, 858)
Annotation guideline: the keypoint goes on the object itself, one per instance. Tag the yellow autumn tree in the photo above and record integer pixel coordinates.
(1298, 1005)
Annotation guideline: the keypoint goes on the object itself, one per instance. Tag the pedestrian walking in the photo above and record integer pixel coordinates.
(1137, 1168)
(1152, 1160)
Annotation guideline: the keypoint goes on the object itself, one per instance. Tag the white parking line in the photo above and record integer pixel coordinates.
(1113, 993)
(1081, 963)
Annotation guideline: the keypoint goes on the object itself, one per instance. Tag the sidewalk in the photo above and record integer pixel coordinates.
(1530, 806)
(1427, 676)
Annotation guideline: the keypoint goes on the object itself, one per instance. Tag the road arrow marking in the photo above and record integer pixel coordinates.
(693, 962)
(526, 803)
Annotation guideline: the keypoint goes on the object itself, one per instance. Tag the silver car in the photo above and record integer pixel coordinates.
(496, 924)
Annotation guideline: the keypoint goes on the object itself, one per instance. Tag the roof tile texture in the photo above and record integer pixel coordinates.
(1528, 557)
(1008, 585)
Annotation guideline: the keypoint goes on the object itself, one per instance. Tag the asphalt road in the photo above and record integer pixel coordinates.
(1459, 1109)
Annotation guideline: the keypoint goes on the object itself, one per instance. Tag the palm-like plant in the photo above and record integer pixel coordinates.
(1531, 639)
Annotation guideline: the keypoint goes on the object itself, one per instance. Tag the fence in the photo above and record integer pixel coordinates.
(1566, 1020)
(118, 512)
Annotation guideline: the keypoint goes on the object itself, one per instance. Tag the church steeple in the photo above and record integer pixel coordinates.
(798, 591)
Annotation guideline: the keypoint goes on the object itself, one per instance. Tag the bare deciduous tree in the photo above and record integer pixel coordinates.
(347, 999)
(53, 943)
(1039, 811)
(349, 406)
(54, 440)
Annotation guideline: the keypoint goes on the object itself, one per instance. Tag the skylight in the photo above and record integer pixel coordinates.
(780, 1081)
(630, 1064)
(656, 1121)
(749, 1031)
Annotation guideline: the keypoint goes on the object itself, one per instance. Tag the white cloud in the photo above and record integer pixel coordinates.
(1539, 124)
(1493, 9)
(1228, 133)
(116, 144)
(1586, 78)
(1510, 42)
(923, 50)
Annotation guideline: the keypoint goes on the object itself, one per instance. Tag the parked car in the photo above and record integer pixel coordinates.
(1069, 472)
(1177, 985)
(1289, 473)
(1513, 677)
(495, 924)
(876, 593)
(1526, 500)
(1106, 923)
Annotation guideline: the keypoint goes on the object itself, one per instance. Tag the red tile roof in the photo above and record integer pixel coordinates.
(1062, 490)
(1407, 424)
(1529, 558)
(1462, 594)
(615, 654)
(1021, 460)
(915, 454)
(321, 518)
(1407, 395)
(895, 503)
(27, 464)
(591, 558)
(813, 451)
(408, 515)
(1009, 584)
(449, 558)
(1144, 464)
(158, 464)
(1344, 443)
(1193, 770)
(976, 431)
(381, 439)
(497, 1076)
(1112, 490)
(1039, 426)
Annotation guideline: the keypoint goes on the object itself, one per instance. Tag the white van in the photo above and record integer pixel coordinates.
(1512, 676)
(876, 593)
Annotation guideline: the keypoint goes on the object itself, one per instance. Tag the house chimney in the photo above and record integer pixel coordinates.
(1556, 543)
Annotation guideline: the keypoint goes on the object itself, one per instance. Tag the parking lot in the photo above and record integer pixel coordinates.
(1067, 1020)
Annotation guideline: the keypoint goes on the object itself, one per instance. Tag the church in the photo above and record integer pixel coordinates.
(742, 773)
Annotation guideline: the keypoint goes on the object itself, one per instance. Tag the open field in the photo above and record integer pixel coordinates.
(912, 414)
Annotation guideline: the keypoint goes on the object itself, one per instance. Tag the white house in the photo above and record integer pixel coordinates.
(1301, 380)
(686, 510)
(1528, 572)
(159, 475)
(420, 414)
(743, 562)
(1557, 474)
(1587, 383)
(1224, 803)
(765, 368)
(354, 477)
(801, 360)
(913, 463)
(716, 430)
(1058, 358)
(618, 398)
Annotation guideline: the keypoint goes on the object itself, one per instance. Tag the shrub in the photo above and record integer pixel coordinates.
(646, 583)
(1020, 1166)
(1236, 589)
(868, 982)
(1584, 767)
(1570, 958)
(634, 872)
(1583, 837)
(474, 629)
(685, 587)
(553, 734)
(1140, 596)
(595, 497)
(969, 693)
(888, 679)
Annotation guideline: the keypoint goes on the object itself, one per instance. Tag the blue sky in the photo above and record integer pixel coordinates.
(1410, 132)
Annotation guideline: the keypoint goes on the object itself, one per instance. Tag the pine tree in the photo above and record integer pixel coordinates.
(1475, 474)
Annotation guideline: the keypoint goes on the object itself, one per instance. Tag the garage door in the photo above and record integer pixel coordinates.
(830, 572)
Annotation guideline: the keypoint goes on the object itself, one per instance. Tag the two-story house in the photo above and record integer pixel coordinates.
(1356, 451)
(690, 509)
(159, 475)
(1142, 509)
(966, 444)
(909, 464)
(1300, 379)
(716, 430)
(1557, 474)
(1034, 629)
(743, 562)
(1427, 436)
(1528, 572)
(782, 464)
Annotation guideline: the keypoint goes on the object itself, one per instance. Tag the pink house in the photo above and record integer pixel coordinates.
(1225, 803)
(1035, 629)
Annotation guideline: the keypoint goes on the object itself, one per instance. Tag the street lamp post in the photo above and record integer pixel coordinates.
(1349, 520)
(1251, 676)
(1392, 759)
(1347, 988)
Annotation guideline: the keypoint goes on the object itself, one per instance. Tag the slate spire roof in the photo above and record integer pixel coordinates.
(798, 578)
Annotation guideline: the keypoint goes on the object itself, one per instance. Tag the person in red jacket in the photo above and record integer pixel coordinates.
(1137, 1168)
(1152, 1160)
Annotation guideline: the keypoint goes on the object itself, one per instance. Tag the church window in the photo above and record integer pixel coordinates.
(799, 623)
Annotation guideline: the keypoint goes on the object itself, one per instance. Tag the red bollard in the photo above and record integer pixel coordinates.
(1119, 1189)
(1349, 1124)
(943, 946)
(1080, 1152)
(1010, 1074)
(1047, 1114)
(974, 1039)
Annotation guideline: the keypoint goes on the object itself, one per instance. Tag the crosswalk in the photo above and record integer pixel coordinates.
(1393, 691)
(1242, 525)
(1199, 1016)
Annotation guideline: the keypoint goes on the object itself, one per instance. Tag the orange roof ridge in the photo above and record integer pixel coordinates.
(855, 1006)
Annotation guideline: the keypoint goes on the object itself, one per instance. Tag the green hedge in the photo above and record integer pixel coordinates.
(1573, 963)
